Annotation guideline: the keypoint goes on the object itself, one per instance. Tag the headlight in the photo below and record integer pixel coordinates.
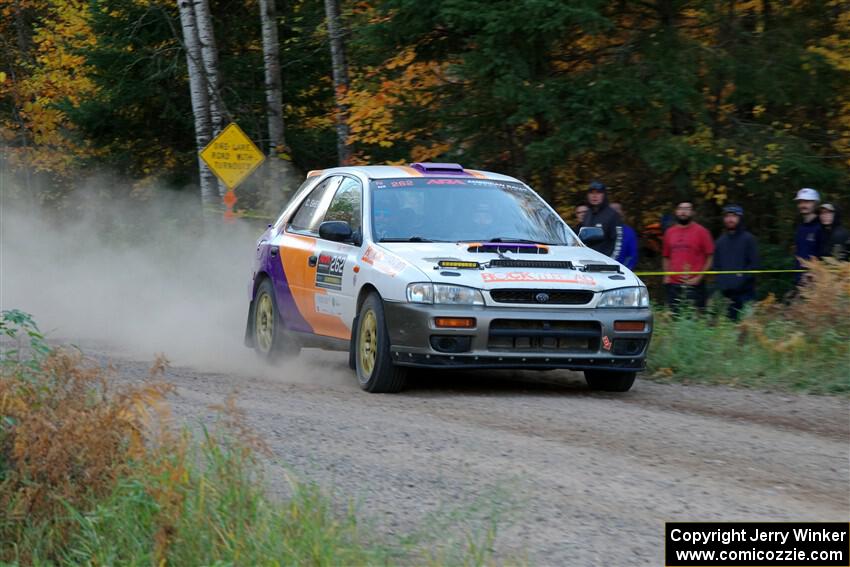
(625, 297)
(443, 294)
(420, 293)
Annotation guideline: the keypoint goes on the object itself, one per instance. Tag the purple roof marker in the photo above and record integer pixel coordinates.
(440, 168)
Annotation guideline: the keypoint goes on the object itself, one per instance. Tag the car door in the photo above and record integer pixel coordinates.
(337, 261)
(320, 273)
(297, 241)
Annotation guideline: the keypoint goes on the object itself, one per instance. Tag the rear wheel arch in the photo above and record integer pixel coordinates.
(265, 325)
(258, 279)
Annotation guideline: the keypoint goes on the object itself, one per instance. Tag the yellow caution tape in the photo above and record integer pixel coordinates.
(714, 272)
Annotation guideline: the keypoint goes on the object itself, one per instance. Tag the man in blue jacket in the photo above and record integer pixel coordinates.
(808, 239)
(736, 249)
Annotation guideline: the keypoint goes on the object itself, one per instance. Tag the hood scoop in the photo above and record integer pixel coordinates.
(513, 247)
(543, 264)
(602, 268)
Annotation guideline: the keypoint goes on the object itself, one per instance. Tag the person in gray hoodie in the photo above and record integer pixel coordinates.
(836, 238)
(736, 249)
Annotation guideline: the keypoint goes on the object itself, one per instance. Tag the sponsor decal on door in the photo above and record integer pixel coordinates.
(329, 271)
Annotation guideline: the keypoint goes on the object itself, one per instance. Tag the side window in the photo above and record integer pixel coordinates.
(345, 205)
(309, 215)
(278, 224)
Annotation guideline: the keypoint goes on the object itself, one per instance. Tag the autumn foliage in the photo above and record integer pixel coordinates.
(743, 101)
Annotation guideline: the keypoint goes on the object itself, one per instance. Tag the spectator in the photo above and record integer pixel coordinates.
(603, 216)
(836, 238)
(736, 249)
(581, 212)
(629, 250)
(687, 247)
(808, 239)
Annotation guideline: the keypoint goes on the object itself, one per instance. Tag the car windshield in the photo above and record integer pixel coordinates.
(467, 209)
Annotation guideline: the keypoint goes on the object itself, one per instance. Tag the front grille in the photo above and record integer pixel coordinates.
(544, 336)
(536, 296)
(547, 264)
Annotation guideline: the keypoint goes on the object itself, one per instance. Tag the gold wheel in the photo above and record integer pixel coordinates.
(264, 322)
(367, 347)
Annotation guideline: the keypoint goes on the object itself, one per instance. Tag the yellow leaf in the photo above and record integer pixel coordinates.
(2, 77)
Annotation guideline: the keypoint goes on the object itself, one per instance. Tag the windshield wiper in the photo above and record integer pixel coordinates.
(409, 239)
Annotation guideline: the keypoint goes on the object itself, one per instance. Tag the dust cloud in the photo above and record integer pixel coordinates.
(136, 277)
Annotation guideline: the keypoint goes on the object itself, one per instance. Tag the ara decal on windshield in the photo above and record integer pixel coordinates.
(498, 277)
(329, 271)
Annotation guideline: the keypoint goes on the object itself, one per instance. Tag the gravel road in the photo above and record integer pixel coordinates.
(569, 477)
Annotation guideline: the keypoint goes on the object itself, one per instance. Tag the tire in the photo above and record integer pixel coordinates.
(609, 380)
(352, 347)
(376, 372)
(270, 341)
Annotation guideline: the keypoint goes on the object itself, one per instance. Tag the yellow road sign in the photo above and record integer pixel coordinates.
(232, 156)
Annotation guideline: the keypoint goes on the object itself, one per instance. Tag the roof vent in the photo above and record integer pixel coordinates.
(439, 168)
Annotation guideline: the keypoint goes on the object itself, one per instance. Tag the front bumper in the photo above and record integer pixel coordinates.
(513, 337)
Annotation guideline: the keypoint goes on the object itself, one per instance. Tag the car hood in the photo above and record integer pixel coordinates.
(427, 255)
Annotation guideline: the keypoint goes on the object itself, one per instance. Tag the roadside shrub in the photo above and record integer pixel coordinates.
(93, 474)
(802, 344)
(65, 438)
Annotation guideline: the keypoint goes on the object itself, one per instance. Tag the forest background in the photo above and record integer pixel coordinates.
(739, 101)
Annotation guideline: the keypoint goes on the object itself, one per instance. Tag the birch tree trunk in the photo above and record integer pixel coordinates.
(212, 78)
(283, 177)
(340, 77)
(200, 99)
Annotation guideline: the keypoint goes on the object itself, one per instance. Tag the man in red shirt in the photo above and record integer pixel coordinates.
(688, 247)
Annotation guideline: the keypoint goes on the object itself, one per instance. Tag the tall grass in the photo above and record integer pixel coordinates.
(93, 476)
(800, 344)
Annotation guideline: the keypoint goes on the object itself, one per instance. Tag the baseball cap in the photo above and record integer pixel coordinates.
(734, 209)
(597, 186)
(828, 207)
(807, 194)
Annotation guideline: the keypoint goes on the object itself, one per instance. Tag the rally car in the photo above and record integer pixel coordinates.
(438, 266)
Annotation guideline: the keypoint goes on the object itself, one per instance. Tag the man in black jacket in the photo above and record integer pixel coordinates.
(603, 216)
(836, 238)
(736, 249)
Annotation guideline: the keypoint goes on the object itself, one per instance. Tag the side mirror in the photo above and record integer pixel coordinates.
(338, 231)
(589, 234)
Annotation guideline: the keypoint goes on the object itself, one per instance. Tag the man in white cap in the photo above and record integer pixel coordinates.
(809, 234)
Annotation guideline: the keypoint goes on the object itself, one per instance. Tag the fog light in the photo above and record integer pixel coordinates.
(454, 322)
(450, 343)
(628, 347)
(630, 326)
